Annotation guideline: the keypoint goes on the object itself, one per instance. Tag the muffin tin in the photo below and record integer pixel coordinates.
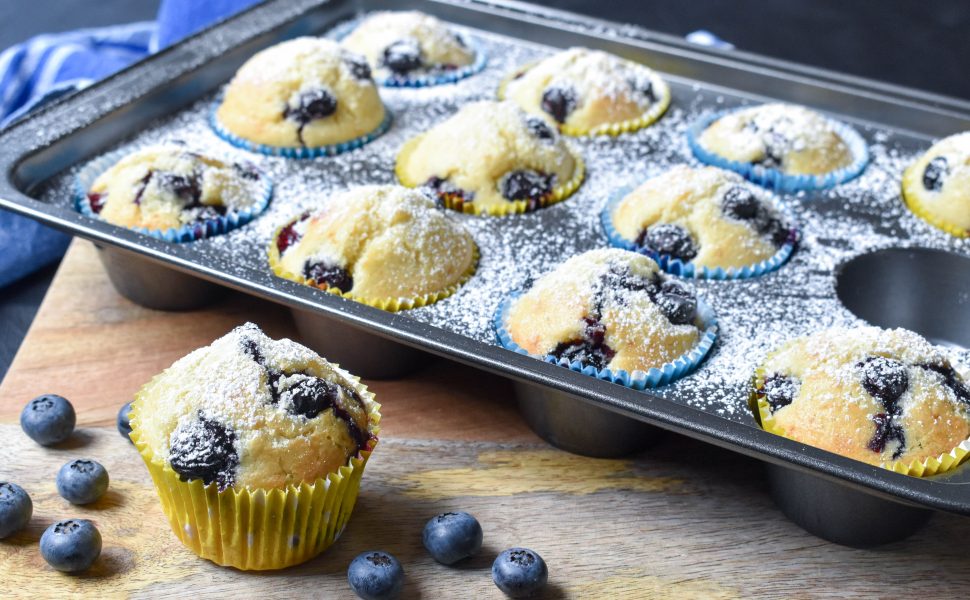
(862, 254)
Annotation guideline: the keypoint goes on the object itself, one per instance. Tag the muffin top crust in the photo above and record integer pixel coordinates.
(168, 186)
(608, 308)
(303, 92)
(406, 43)
(939, 182)
(786, 137)
(487, 155)
(378, 242)
(583, 90)
(707, 216)
(249, 411)
(871, 394)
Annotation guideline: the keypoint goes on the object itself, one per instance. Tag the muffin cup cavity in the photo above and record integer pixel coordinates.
(773, 178)
(651, 116)
(637, 380)
(512, 207)
(675, 266)
(388, 304)
(257, 528)
(421, 80)
(186, 233)
(922, 211)
(916, 468)
(300, 152)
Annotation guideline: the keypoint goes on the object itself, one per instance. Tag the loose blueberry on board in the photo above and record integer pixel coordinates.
(936, 170)
(403, 56)
(519, 572)
(666, 238)
(204, 449)
(559, 102)
(71, 546)
(376, 575)
(124, 425)
(82, 481)
(333, 275)
(15, 509)
(452, 536)
(48, 419)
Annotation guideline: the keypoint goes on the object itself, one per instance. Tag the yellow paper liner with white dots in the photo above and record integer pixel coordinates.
(388, 304)
(656, 110)
(255, 528)
(916, 468)
(511, 207)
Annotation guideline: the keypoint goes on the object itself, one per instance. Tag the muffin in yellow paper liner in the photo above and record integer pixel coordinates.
(251, 528)
(932, 465)
(936, 186)
(396, 251)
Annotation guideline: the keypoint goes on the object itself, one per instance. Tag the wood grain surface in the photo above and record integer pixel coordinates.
(682, 520)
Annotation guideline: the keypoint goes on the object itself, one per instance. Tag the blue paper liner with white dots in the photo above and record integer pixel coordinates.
(637, 380)
(773, 178)
(421, 80)
(186, 233)
(676, 266)
(298, 151)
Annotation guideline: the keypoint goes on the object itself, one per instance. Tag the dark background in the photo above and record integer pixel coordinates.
(924, 45)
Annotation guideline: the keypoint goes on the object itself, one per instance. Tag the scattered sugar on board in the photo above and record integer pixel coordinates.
(755, 315)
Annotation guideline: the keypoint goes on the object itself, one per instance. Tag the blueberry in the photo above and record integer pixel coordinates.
(666, 238)
(642, 85)
(124, 426)
(936, 170)
(403, 56)
(82, 481)
(376, 575)
(15, 509)
(740, 203)
(289, 235)
(519, 572)
(950, 379)
(526, 184)
(96, 200)
(887, 430)
(452, 536)
(187, 188)
(204, 449)
(591, 349)
(677, 302)
(559, 102)
(539, 128)
(71, 546)
(885, 379)
(311, 105)
(332, 275)
(779, 233)
(309, 397)
(48, 419)
(779, 390)
(358, 67)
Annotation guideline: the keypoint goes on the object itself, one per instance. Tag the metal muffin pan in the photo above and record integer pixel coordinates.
(902, 273)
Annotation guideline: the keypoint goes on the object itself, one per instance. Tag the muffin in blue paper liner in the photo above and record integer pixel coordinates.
(410, 49)
(171, 193)
(593, 315)
(714, 224)
(784, 147)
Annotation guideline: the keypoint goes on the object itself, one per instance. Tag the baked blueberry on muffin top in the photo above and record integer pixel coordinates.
(937, 184)
(871, 394)
(168, 186)
(607, 308)
(304, 92)
(706, 216)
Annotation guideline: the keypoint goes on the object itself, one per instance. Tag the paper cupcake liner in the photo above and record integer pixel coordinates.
(420, 80)
(186, 233)
(300, 152)
(917, 468)
(922, 211)
(512, 207)
(657, 109)
(637, 380)
(255, 528)
(388, 304)
(675, 266)
(773, 178)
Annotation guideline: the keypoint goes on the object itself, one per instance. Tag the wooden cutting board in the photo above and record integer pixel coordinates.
(683, 520)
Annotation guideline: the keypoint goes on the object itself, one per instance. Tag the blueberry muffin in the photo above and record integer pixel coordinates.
(708, 217)
(305, 92)
(168, 186)
(875, 395)
(256, 448)
(376, 243)
(607, 308)
(785, 137)
(937, 185)
(408, 43)
(589, 91)
(491, 157)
